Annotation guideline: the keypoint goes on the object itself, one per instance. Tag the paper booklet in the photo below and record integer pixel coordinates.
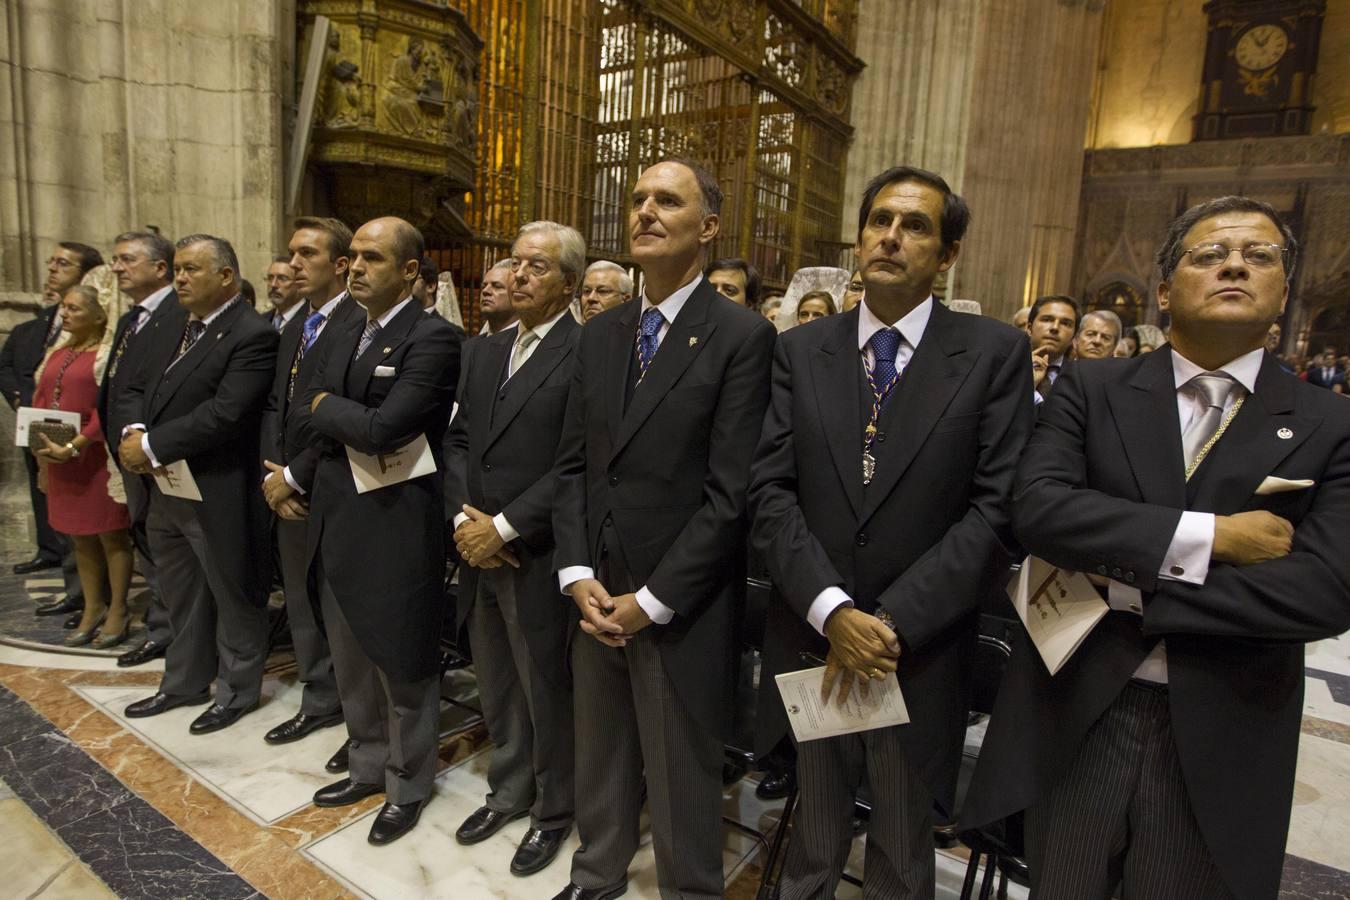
(175, 480)
(1058, 608)
(25, 415)
(883, 706)
(371, 472)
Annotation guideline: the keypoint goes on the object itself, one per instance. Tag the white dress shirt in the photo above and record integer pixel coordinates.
(504, 529)
(288, 315)
(1188, 555)
(327, 311)
(670, 307)
(150, 305)
(1052, 369)
(911, 328)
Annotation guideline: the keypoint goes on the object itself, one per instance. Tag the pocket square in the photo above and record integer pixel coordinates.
(384, 371)
(1276, 485)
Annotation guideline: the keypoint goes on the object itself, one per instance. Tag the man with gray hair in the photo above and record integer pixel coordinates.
(1098, 334)
(199, 392)
(605, 286)
(499, 487)
(494, 298)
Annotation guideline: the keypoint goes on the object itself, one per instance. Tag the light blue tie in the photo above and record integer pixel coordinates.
(311, 329)
(646, 342)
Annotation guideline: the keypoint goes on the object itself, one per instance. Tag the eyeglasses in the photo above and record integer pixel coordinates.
(1260, 255)
(535, 267)
(60, 262)
(601, 292)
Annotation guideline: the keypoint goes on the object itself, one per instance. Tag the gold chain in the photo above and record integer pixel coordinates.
(1209, 444)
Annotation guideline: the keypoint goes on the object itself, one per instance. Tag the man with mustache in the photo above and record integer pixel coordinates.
(282, 293)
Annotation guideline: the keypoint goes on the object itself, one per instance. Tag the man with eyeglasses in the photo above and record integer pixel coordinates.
(605, 286)
(1207, 492)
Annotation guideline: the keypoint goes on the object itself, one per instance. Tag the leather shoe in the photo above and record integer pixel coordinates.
(574, 891)
(36, 564)
(217, 717)
(483, 823)
(338, 761)
(345, 793)
(142, 654)
(774, 785)
(537, 849)
(394, 821)
(160, 703)
(63, 607)
(299, 725)
(72, 621)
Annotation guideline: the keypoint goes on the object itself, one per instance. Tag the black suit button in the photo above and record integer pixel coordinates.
(881, 436)
(1101, 570)
(860, 539)
(1129, 578)
(487, 467)
(1116, 573)
(613, 480)
(501, 397)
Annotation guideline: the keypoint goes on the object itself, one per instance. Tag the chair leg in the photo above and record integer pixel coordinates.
(768, 881)
(1002, 884)
(972, 869)
(987, 886)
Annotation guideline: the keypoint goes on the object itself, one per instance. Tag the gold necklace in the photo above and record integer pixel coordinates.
(1214, 439)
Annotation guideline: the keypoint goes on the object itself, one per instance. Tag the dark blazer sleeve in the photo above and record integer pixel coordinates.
(456, 454)
(569, 483)
(689, 573)
(1060, 520)
(9, 375)
(798, 563)
(428, 374)
(949, 581)
(242, 390)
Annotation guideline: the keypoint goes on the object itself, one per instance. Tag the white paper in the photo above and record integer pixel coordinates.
(372, 472)
(175, 480)
(883, 706)
(25, 415)
(1058, 608)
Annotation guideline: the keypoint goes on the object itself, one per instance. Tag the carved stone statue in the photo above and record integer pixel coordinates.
(342, 94)
(402, 88)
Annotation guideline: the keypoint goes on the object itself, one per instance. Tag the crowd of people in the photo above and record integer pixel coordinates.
(606, 460)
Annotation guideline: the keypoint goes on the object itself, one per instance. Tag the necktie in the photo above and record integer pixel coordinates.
(372, 329)
(646, 342)
(310, 331)
(885, 343)
(522, 350)
(1212, 389)
(133, 326)
(1051, 374)
(54, 330)
(191, 334)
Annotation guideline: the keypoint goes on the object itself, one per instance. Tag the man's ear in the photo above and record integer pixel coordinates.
(712, 224)
(949, 256)
(1164, 292)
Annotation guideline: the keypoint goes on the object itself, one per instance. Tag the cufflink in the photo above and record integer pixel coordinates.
(1177, 570)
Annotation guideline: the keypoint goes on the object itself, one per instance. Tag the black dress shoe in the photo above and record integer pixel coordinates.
(774, 785)
(483, 823)
(394, 821)
(36, 564)
(142, 654)
(160, 703)
(345, 793)
(338, 761)
(299, 725)
(537, 849)
(63, 607)
(576, 892)
(72, 621)
(217, 717)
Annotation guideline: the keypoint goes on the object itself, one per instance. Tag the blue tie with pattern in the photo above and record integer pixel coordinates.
(646, 342)
(885, 343)
(311, 329)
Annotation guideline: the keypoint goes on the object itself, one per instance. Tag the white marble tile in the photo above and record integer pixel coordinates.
(950, 872)
(13, 655)
(1321, 815)
(1317, 701)
(1331, 655)
(35, 862)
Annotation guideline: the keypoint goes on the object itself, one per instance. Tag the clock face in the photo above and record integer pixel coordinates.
(1261, 47)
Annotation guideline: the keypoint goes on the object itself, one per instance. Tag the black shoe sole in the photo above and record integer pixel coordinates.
(483, 837)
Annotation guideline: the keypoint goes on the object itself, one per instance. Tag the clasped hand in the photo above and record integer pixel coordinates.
(480, 544)
(861, 648)
(132, 455)
(611, 620)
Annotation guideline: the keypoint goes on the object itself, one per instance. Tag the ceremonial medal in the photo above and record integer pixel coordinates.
(869, 466)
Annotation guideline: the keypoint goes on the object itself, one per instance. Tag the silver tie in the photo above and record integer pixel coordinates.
(522, 350)
(1213, 389)
(367, 336)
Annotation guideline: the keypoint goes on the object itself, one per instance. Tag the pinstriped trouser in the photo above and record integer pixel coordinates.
(1121, 813)
(899, 861)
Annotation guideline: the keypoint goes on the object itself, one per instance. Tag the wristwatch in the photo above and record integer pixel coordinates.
(74, 451)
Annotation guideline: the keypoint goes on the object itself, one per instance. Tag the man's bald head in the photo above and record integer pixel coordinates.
(386, 260)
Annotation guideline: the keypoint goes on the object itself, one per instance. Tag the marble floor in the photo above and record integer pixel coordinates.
(93, 804)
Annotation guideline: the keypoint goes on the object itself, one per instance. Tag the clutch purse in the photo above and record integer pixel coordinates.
(59, 433)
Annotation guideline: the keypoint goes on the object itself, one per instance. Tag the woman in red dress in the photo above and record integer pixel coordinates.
(76, 474)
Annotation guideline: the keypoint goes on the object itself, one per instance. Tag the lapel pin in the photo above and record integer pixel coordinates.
(388, 349)
(219, 336)
(693, 341)
(1284, 434)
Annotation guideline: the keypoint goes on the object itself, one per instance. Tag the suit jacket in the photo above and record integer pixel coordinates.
(1101, 489)
(206, 410)
(1315, 376)
(113, 410)
(669, 473)
(285, 439)
(927, 540)
(502, 450)
(21, 355)
(383, 552)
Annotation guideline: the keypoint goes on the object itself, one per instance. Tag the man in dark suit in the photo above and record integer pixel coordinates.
(320, 253)
(499, 487)
(283, 294)
(1209, 492)
(880, 503)
(662, 418)
(201, 387)
(377, 558)
(22, 353)
(1328, 373)
(1052, 323)
(143, 263)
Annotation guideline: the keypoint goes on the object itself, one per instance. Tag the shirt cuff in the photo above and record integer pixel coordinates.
(135, 426)
(1036, 397)
(657, 611)
(1124, 598)
(826, 602)
(570, 575)
(1192, 544)
(504, 529)
(458, 520)
(295, 485)
(145, 448)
